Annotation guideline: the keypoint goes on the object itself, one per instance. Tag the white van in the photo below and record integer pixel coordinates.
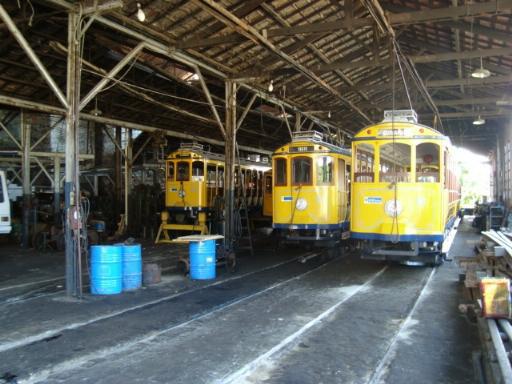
(5, 206)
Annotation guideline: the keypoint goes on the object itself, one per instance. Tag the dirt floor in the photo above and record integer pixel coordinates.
(275, 320)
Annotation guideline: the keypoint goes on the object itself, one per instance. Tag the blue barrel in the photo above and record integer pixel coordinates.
(202, 260)
(106, 269)
(132, 267)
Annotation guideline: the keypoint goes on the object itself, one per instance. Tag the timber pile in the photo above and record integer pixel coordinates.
(493, 364)
(487, 263)
(500, 264)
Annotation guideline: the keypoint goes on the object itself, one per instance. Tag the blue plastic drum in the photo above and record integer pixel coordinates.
(132, 267)
(202, 260)
(106, 269)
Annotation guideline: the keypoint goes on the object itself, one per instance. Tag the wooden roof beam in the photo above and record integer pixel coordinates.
(395, 19)
(251, 33)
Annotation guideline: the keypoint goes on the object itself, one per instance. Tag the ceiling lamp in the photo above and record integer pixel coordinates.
(271, 86)
(479, 121)
(140, 13)
(481, 73)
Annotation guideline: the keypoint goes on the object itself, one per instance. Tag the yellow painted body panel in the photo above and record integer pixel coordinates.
(425, 206)
(326, 204)
(422, 213)
(193, 192)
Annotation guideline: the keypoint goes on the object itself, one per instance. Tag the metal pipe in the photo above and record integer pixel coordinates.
(32, 55)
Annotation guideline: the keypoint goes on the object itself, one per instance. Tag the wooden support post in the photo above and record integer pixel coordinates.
(229, 183)
(128, 175)
(56, 188)
(118, 173)
(71, 156)
(25, 134)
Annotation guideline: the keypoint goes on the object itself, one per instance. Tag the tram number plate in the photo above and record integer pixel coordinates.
(373, 200)
(286, 198)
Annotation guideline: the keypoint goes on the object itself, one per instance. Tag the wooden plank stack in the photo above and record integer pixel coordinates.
(499, 264)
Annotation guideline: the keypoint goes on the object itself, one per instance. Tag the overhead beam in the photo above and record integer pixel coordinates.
(32, 55)
(243, 28)
(471, 114)
(45, 108)
(469, 81)
(395, 19)
(156, 45)
(111, 74)
(430, 58)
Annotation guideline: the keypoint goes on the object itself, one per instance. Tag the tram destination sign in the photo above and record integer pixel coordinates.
(400, 132)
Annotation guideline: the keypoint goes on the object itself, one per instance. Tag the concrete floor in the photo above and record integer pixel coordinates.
(274, 321)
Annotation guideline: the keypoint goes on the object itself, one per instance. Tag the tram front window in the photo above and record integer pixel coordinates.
(427, 163)
(197, 171)
(183, 171)
(301, 171)
(365, 157)
(395, 163)
(170, 170)
(280, 167)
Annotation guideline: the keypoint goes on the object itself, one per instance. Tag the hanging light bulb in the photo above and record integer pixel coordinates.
(140, 13)
(329, 115)
(481, 73)
(271, 86)
(479, 121)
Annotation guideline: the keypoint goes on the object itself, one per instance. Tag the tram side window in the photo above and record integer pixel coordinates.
(211, 174)
(427, 163)
(301, 171)
(170, 170)
(183, 171)
(268, 184)
(197, 171)
(365, 156)
(280, 166)
(220, 177)
(395, 163)
(324, 169)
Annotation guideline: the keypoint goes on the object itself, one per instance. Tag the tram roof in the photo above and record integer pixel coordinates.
(399, 130)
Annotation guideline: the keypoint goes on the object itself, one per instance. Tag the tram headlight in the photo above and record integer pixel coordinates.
(393, 208)
(301, 204)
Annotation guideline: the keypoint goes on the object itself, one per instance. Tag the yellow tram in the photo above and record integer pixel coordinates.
(194, 190)
(311, 190)
(405, 191)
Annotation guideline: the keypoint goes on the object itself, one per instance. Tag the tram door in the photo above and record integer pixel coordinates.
(342, 192)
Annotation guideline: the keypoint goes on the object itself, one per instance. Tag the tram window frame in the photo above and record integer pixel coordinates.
(211, 175)
(200, 175)
(280, 165)
(220, 176)
(364, 175)
(310, 173)
(170, 171)
(386, 172)
(268, 183)
(330, 174)
(422, 176)
(183, 176)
